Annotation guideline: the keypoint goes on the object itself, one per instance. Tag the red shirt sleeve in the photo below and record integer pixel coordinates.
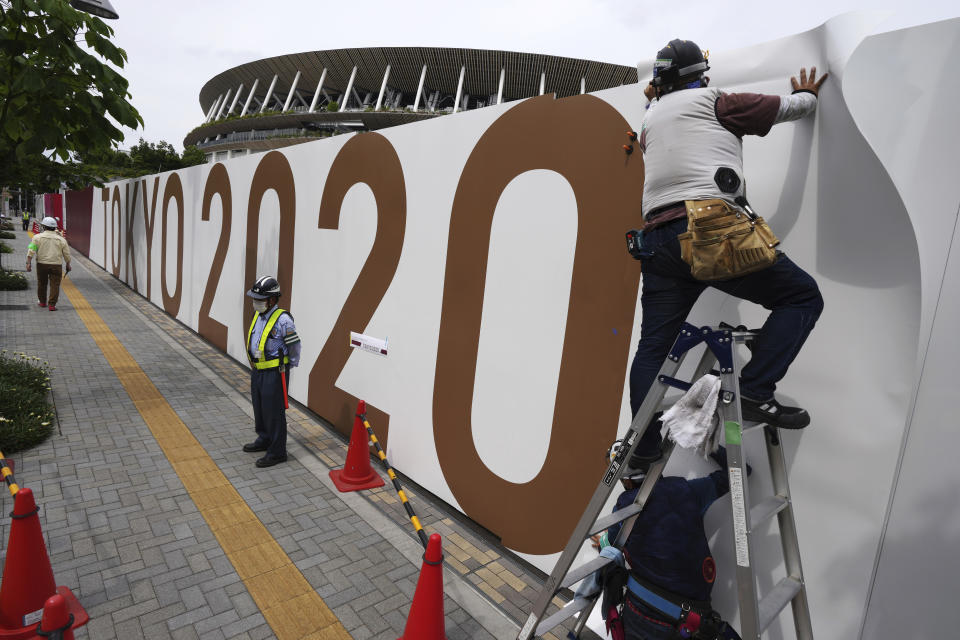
(747, 113)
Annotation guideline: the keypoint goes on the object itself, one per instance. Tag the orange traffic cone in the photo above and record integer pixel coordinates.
(425, 621)
(357, 473)
(27, 576)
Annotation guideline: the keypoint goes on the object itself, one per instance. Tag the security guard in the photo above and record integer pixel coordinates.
(273, 346)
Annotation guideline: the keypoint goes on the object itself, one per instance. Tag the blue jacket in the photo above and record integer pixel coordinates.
(668, 546)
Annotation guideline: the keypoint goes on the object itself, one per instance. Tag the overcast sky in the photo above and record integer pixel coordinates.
(175, 46)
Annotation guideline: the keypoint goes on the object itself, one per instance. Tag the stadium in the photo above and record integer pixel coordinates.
(289, 99)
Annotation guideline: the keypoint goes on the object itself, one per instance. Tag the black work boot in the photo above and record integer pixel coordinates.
(773, 413)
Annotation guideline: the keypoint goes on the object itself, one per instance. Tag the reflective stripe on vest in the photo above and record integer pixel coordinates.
(261, 363)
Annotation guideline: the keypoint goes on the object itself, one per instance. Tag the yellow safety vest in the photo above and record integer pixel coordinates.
(261, 362)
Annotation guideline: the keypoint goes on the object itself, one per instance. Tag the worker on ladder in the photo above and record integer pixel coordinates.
(671, 569)
(694, 185)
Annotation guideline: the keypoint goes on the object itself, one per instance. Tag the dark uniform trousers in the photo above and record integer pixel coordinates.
(269, 416)
(52, 274)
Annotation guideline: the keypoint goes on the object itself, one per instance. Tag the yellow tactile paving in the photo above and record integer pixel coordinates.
(291, 607)
(269, 585)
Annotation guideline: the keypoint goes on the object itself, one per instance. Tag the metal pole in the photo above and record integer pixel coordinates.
(266, 100)
(383, 87)
(456, 101)
(236, 99)
(316, 94)
(293, 87)
(346, 94)
(246, 105)
(224, 105)
(423, 76)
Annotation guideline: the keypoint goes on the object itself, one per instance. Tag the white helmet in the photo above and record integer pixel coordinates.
(49, 222)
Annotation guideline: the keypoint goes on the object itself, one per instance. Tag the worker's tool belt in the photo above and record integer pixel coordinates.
(670, 605)
(723, 241)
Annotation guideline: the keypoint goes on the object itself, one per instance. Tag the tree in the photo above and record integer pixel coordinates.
(192, 156)
(56, 94)
(154, 158)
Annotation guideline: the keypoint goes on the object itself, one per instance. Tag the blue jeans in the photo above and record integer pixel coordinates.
(669, 292)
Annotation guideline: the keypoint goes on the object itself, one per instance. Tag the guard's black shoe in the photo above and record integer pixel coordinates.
(269, 461)
(250, 447)
(774, 414)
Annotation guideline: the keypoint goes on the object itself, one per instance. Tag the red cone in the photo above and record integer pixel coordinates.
(27, 576)
(56, 617)
(357, 473)
(425, 621)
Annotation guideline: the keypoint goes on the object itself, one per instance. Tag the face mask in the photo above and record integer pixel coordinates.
(260, 305)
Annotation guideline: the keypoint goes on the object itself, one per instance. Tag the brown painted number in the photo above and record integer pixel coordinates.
(273, 172)
(218, 182)
(603, 295)
(367, 158)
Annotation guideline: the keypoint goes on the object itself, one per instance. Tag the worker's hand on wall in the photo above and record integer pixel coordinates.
(812, 84)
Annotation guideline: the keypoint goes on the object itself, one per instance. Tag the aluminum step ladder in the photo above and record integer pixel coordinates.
(756, 613)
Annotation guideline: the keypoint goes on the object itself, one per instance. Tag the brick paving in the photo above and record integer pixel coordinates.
(124, 534)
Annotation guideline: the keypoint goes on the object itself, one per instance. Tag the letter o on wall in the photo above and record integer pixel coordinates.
(538, 516)
(116, 231)
(173, 190)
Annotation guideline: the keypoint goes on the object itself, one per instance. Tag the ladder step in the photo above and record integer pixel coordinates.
(613, 518)
(568, 611)
(750, 426)
(766, 509)
(581, 572)
(773, 603)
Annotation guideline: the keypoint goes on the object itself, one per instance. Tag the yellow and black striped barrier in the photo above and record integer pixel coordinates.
(8, 476)
(396, 482)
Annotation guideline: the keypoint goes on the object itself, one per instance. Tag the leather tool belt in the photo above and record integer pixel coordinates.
(723, 241)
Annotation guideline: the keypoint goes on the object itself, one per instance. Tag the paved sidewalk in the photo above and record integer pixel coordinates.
(126, 536)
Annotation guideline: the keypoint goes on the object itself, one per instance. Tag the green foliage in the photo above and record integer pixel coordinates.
(5, 248)
(333, 106)
(26, 417)
(192, 156)
(7, 235)
(144, 158)
(57, 91)
(12, 281)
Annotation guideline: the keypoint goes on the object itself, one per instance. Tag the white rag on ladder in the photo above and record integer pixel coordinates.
(693, 421)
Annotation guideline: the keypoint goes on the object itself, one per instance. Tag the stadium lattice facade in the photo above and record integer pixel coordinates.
(288, 99)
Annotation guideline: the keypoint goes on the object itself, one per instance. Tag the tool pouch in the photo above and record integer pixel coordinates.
(723, 241)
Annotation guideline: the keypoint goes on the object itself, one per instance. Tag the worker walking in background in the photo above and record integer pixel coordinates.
(51, 249)
(700, 231)
(273, 347)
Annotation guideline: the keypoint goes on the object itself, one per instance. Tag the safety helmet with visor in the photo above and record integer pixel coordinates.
(263, 289)
(681, 61)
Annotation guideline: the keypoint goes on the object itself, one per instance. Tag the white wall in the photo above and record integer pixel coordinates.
(864, 196)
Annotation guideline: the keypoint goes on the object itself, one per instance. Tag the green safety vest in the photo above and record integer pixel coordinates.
(26, 215)
(261, 362)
